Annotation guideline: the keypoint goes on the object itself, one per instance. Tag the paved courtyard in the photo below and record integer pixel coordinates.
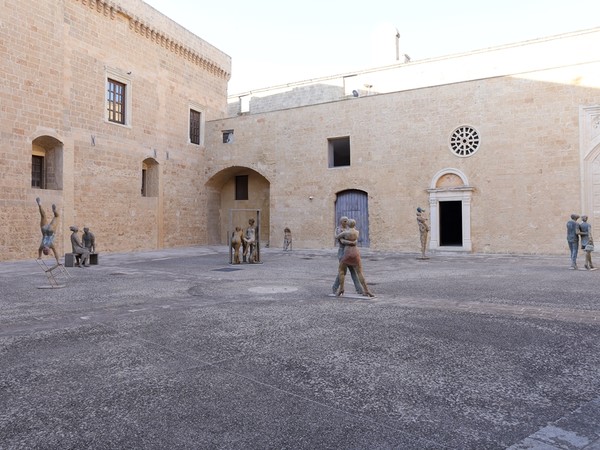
(178, 349)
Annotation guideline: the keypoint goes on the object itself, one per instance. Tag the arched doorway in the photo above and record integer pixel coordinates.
(450, 206)
(237, 188)
(589, 126)
(354, 204)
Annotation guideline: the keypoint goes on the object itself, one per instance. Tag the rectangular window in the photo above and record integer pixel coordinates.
(37, 172)
(339, 152)
(115, 100)
(241, 187)
(227, 136)
(195, 122)
(144, 183)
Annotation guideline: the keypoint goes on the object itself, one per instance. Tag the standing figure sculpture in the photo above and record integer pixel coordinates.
(587, 242)
(573, 239)
(423, 230)
(249, 243)
(89, 240)
(343, 226)
(78, 248)
(287, 239)
(236, 243)
(351, 258)
(48, 232)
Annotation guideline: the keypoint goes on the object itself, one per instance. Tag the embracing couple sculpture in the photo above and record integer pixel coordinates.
(349, 257)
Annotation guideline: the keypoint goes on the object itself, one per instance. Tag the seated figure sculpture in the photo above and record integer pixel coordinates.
(78, 248)
(351, 258)
(89, 240)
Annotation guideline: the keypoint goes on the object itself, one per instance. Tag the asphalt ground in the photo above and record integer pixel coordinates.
(179, 349)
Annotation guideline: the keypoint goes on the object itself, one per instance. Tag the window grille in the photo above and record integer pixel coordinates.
(116, 101)
(195, 118)
(37, 171)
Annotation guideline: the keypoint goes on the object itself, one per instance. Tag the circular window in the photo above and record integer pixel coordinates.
(464, 141)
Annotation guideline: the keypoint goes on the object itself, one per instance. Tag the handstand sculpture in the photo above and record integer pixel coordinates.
(351, 258)
(48, 232)
(47, 244)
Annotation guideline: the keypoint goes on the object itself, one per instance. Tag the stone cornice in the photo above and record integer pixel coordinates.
(110, 9)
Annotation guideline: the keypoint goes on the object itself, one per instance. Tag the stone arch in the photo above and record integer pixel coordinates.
(221, 198)
(450, 207)
(47, 163)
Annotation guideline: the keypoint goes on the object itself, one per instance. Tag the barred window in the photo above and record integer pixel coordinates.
(195, 121)
(115, 99)
(37, 172)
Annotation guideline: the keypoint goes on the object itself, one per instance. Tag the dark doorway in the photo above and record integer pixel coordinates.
(451, 224)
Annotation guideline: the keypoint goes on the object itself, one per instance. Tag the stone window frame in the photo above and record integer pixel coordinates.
(196, 107)
(227, 136)
(125, 79)
(461, 193)
(464, 141)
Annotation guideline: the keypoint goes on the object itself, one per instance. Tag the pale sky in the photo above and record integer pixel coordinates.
(275, 42)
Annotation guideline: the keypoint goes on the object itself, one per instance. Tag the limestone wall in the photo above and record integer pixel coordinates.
(57, 56)
(525, 176)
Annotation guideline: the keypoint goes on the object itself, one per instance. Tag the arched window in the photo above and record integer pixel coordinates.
(47, 163)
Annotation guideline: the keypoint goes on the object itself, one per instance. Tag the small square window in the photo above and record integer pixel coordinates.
(227, 136)
(195, 123)
(241, 187)
(339, 152)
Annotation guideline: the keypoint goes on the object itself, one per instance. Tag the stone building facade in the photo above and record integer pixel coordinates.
(120, 117)
(499, 146)
(103, 112)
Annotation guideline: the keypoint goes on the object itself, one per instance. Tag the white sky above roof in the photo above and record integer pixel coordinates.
(274, 42)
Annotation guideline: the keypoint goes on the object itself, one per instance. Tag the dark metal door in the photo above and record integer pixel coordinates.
(354, 204)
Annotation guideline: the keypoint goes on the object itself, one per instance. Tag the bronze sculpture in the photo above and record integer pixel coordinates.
(351, 258)
(423, 230)
(48, 232)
